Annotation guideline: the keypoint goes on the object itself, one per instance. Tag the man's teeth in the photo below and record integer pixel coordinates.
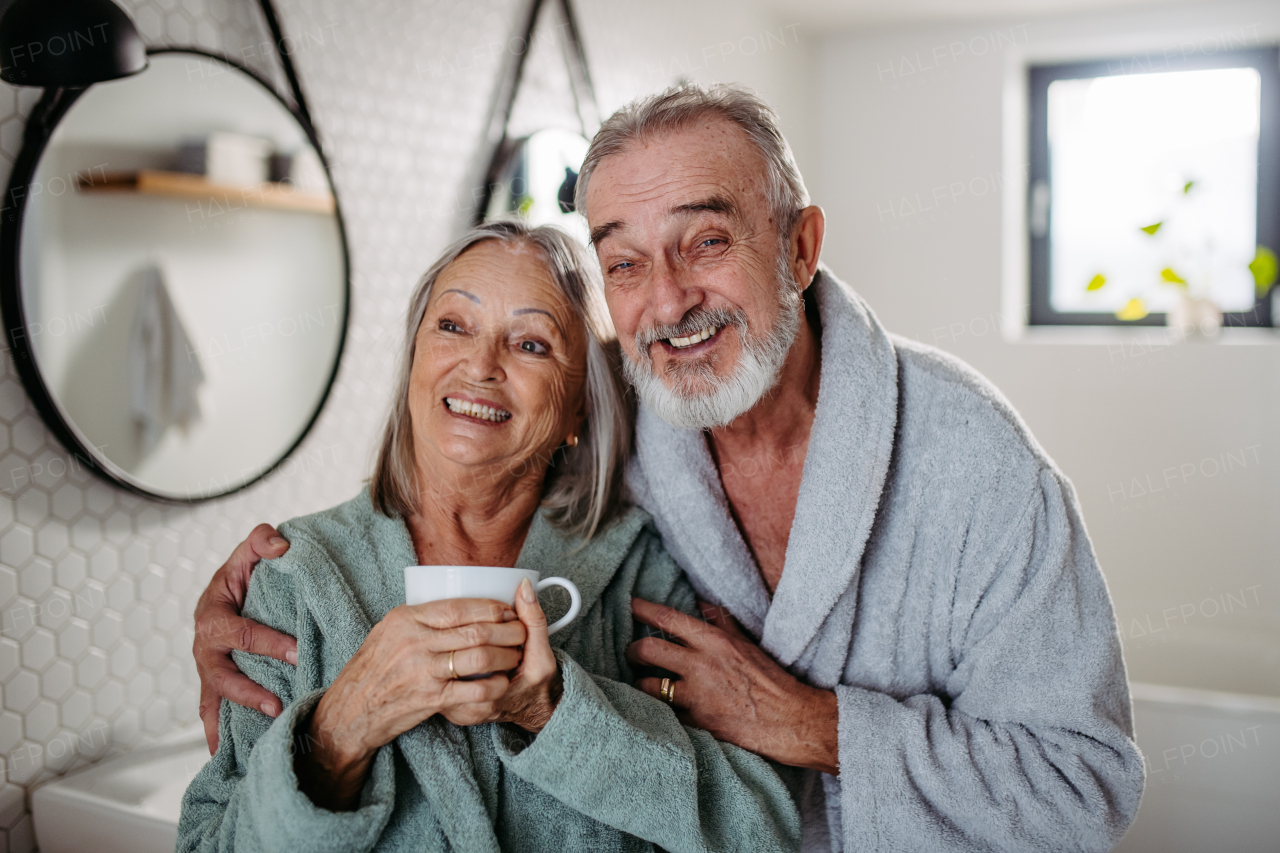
(475, 410)
(695, 338)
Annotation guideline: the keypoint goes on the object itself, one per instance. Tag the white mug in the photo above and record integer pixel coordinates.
(437, 583)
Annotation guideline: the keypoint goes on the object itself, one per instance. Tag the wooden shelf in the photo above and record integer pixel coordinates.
(227, 196)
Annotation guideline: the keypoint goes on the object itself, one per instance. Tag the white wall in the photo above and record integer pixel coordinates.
(905, 112)
(636, 48)
(97, 586)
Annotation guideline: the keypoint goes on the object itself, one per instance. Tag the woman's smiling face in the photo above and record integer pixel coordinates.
(499, 366)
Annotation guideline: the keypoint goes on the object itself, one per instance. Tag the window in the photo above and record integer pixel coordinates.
(1152, 179)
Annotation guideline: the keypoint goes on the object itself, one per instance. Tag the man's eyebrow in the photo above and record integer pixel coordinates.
(471, 296)
(712, 204)
(601, 231)
(519, 311)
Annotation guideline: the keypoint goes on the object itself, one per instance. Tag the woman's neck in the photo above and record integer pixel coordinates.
(479, 524)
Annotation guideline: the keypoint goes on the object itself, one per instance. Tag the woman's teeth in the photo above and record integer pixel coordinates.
(695, 338)
(475, 410)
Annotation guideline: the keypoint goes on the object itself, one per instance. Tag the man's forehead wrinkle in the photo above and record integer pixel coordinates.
(669, 180)
(656, 179)
(630, 174)
(635, 201)
(679, 196)
(714, 138)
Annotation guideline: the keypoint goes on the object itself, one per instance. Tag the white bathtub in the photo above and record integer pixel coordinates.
(1213, 755)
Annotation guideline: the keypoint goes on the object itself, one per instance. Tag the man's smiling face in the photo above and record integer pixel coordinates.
(694, 268)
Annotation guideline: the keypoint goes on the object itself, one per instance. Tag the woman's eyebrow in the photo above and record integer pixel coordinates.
(471, 296)
(519, 311)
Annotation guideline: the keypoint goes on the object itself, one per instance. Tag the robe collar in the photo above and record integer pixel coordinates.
(850, 448)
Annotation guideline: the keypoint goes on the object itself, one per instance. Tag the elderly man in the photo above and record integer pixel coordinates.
(902, 597)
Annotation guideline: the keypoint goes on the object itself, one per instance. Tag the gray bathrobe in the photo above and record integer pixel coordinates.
(613, 770)
(939, 578)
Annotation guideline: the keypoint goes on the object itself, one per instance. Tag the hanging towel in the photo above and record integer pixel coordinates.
(164, 369)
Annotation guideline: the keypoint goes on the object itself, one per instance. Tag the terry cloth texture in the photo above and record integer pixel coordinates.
(939, 578)
(613, 770)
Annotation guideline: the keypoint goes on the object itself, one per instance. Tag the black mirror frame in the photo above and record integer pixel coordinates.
(45, 117)
(584, 95)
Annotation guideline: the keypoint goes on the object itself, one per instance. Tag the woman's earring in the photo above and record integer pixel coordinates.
(573, 440)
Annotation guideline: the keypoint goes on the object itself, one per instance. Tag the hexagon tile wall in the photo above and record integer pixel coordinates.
(97, 585)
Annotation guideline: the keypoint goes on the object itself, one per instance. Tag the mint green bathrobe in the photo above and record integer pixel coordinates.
(613, 770)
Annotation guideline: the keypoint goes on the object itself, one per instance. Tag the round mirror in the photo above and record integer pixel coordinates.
(175, 276)
(538, 178)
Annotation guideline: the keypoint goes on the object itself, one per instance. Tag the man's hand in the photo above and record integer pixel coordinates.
(734, 690)
(220, 628)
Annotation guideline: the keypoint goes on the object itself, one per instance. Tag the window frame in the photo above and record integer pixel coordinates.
(1265, 60)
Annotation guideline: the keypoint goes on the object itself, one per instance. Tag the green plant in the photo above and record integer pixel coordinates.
(1264, 267)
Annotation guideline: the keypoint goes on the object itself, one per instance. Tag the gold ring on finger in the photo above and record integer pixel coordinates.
(667, 692)
(453, 673)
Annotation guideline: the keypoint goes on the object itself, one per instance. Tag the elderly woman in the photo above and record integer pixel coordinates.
(504, 448)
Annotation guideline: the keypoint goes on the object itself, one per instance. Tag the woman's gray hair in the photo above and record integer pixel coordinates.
(679, 108)
(583, 490)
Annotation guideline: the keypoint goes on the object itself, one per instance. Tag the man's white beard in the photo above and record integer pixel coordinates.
(733, 396)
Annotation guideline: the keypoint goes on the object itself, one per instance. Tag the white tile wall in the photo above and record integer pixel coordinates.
(97, 585)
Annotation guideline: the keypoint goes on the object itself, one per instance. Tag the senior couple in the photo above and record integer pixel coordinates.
(880, 622)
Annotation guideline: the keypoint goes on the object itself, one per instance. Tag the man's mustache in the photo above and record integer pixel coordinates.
(694, 321)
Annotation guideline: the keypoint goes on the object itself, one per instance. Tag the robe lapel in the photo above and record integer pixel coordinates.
(844, 474)
(687, 500)
(850, 448)
(438, 755)
(441, 756)
(590, 565)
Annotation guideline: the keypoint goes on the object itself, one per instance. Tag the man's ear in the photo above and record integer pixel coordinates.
(806, 244)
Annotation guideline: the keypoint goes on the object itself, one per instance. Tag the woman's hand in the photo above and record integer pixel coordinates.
(536, 686)
(399, 677)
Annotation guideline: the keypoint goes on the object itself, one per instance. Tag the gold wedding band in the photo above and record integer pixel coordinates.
(667, 693)
(453, 673)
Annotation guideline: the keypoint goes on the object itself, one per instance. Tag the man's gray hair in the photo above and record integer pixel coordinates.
(583, 488)
(680, 108)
